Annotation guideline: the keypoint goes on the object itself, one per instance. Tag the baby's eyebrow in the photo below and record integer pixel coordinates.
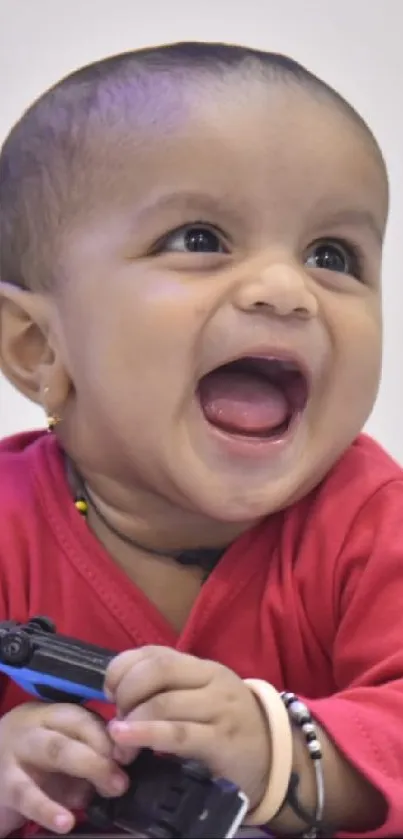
(205, 205)
(188, 201)
(357, 218)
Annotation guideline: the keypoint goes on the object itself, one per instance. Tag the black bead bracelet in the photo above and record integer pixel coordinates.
(300, 717)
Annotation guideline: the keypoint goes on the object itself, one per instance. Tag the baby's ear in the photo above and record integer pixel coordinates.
(30, 356)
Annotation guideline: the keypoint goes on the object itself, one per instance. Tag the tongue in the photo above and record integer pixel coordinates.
(242, 403)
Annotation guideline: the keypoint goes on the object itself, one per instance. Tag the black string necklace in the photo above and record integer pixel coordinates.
(204, 558)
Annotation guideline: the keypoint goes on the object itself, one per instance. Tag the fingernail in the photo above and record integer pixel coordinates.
(119, 727)
(119, 783)
(63, 821)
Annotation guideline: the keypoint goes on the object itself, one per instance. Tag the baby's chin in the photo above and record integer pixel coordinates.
(242, 504)
(245, 496)
(238, 492)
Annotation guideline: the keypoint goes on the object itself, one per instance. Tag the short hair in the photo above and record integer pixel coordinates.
(41, 161)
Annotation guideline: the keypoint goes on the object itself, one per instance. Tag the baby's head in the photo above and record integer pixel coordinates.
(191, 245)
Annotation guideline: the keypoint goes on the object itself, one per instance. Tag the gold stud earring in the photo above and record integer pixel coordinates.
(52, 419)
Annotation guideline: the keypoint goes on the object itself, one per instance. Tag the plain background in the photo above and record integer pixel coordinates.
(355, 48)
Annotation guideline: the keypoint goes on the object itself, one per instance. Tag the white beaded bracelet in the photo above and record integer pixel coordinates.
(300, 716)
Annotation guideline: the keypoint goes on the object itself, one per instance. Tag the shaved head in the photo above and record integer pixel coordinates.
(54, 160)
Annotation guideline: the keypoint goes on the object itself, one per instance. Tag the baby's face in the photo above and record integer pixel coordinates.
(221, 314)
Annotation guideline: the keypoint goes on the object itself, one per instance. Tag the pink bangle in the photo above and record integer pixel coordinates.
(281, 752)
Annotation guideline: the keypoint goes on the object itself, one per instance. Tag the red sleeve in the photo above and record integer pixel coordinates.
(365, 716)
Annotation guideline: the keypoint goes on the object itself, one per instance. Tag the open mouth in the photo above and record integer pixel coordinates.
(254, 396)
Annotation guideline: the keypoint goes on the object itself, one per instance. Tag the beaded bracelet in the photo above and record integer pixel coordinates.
(300, 716)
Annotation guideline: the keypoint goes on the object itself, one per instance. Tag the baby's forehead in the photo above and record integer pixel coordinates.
(148, 107)
(135, 117)
(257, 199)
(196, 134)
(142, 102)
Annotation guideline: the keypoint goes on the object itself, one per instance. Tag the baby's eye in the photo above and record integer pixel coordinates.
(195, 238)
(334, 256)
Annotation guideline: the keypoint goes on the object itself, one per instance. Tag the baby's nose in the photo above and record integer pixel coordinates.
(280, 288)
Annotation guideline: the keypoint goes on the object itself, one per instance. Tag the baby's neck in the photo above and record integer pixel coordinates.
(170, 587)
(148, 521)
(144, 537)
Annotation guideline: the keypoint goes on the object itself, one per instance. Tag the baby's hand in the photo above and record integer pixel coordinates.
(51, 756)
(177, 704)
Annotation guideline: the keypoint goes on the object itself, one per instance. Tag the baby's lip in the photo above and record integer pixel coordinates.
(293, 360)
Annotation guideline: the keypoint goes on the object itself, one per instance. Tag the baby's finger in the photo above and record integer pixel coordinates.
(79, 724)
(73, 793)
(124, 754)
(137, 675)
(185, 739)
(51, 751)
(186, 705)
(26, 798)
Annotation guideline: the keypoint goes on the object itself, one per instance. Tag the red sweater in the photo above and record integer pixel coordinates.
(310, 600)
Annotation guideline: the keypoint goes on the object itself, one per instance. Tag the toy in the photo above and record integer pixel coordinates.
(51, 666)
(168, 798)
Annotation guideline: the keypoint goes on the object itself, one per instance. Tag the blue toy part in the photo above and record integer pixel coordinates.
(31, 681)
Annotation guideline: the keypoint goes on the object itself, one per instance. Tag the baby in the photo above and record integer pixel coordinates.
(191, 241)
